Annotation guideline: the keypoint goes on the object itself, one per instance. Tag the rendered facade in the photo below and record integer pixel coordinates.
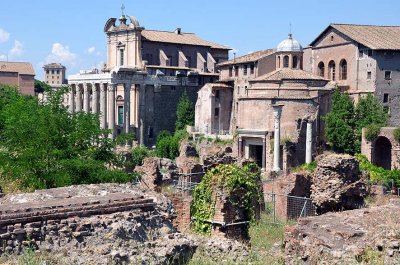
(54, 74)
(147, 71)
(20, 74)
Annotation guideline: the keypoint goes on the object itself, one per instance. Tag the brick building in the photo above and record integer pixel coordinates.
(146, 73)
(54, 74)
(360, 59)
(20, 74)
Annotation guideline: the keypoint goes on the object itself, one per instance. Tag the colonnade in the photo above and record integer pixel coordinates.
(101, 98)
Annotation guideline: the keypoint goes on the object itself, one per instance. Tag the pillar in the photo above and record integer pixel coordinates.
(142, 97)
(103, 107)
(86, 97)
(78, 98)
(264, 153)
(111, 108)
(277, 137)
(127, 109)
(309, 142)
(71, 100)
(240, 147)
(95, 99)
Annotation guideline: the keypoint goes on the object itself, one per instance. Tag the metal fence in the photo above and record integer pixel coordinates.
(284, 207)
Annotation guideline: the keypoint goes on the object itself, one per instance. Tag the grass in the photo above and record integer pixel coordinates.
(30, 257)
(264, 234)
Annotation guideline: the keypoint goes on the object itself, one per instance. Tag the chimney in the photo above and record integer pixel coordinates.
(178, 31)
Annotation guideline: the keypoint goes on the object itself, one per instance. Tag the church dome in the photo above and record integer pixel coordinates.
(289, 45)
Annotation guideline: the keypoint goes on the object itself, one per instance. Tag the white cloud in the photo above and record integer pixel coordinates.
(4, 35)
(17, 49)
(61, 54)
(91, 50)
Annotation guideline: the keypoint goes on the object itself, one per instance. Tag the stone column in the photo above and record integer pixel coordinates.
(103, 107)
(127, 109)
(78, 98)
(277, 136)
(142, 97)
(95, 99)
(86, 97)
(71, 99)
(264, 153)
(240, 147)
(111, 108)
(309, 142)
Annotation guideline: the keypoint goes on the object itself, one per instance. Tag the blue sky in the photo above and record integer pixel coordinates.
(71, 32)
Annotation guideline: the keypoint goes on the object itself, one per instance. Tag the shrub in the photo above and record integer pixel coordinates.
(138, 154)
(168, 145)
(372, 132)
(396, 134)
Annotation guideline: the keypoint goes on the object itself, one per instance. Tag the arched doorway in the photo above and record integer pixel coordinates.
(383, 153)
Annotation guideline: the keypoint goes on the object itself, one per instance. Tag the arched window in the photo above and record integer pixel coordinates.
(279, 62)
(343, 70)
(286, 61)
(321, 69)
(331, 72)
(295, 61)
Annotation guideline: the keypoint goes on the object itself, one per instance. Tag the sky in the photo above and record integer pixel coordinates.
(71, 32)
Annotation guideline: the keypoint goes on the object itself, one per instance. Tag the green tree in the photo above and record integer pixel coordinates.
(368, 112)
(41, 86)
(339, 130)
(44, 146)
(184, 112)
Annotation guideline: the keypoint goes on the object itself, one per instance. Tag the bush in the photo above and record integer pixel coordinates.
(168, 145)
(396, 134)
(138, 154)
(378, 174)
(372, 131)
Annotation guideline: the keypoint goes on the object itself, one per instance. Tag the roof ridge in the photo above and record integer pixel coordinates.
(167, 31)
(363, 25)
(14, 62)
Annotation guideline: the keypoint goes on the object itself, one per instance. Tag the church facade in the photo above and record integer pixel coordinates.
(146, 73)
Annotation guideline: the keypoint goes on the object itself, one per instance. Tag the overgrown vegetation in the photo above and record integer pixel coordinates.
(396, 134)
(310, 167)
(139, 153)
(378, 174)
(184, 113)
(372, 132)
(345, 122)
(232, 178)
(45, 146)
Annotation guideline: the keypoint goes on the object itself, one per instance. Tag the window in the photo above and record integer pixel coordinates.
(58, 77)
(331, 72)
(52, 71)
(236, 70)
(388, 75)
(279, 62)
(369, 53)
(321, 69)
(47, 71)
(216, 112)
(120, 115)
(216, 93)
(286, 61)
(295, 61)
(230, 71)
(150, 132)
(244, 69)
(385, 98)
(369, 75)
(252, 69)
(58, 72)
(332, 37)
(173, 88)
(343, 70)
(121, 57)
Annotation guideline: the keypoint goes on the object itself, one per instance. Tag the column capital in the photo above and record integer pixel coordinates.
(112, 87)
(277, 110)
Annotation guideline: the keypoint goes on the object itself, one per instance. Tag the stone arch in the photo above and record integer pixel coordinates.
(343, 69)
(286, 61)
(382, 155)
(321, 69)
(332, 70)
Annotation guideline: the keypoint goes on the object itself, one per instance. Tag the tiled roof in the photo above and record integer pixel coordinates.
(22, 68)
(220, 85)
(288, 74)
(373, 37)
(182, 38)
(251, 57)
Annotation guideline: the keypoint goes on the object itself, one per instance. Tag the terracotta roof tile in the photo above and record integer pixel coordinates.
(251, 57)
(182, 38)
(373, 37)
(22, 68)
(287, 74)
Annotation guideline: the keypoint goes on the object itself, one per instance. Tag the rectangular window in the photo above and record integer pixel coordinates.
(244, 69)
(47, 71)
(252, 69)
(388, 75)
(121, 57)
(236, 70)
(368, 75)
(230, 71)
(120, 115)
(385, 98)
(216, 112)
(58, 72)
(52, 71)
